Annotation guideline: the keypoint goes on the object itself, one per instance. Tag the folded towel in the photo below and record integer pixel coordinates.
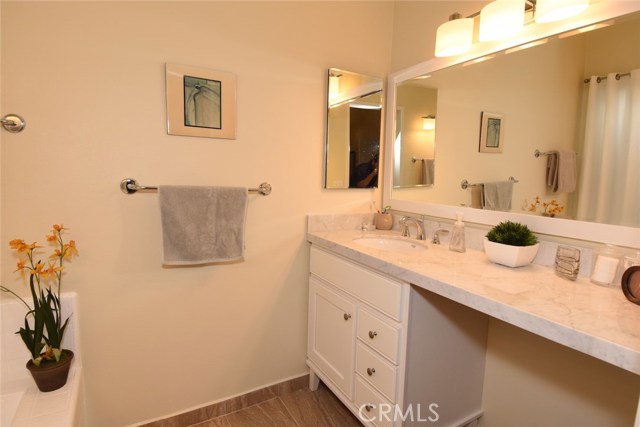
(477, 196)
(552, 169)
(202, 224)
(427, 171)
(561, 171)
(567, 172)
(497, 195)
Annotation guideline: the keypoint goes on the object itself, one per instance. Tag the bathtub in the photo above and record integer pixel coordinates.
(22, 404)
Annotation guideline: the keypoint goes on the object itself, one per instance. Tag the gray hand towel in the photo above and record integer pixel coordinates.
(477, 196)
(427, 171)
(497, 195)
(561, 171)
(567, 172)
(552, 169)
(202, 224)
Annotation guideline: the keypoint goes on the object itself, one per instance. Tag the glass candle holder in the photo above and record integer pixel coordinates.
(630, 260)
(606, 261)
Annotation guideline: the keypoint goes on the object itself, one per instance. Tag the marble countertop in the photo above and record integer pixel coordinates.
(595, 320)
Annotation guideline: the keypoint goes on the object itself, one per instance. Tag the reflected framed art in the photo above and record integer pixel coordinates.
(491, 132)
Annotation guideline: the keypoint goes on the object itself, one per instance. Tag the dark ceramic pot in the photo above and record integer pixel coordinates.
(51, 376)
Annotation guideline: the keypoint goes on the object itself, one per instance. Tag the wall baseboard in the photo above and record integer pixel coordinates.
(233, 404)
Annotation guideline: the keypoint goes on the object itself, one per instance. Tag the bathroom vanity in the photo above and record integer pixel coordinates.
(406, 331)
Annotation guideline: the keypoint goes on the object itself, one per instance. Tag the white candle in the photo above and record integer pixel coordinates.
(605, 269)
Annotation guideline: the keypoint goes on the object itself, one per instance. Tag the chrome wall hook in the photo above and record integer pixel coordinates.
(13, 123)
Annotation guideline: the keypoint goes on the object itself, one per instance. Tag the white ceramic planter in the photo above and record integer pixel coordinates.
(511, 256)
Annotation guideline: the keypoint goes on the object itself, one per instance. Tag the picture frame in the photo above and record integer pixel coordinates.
(200, 102)
(491, 132)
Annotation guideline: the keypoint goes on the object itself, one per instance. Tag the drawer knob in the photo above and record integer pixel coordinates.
(347, 316)
(371, 371)
(368, 408)
(373, 334)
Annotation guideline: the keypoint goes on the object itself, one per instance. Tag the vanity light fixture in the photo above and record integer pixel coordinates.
(501, 19)
(555, 10)
(429, 122)
(455, 36)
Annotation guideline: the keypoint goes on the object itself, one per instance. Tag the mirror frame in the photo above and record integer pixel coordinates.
(531, 34)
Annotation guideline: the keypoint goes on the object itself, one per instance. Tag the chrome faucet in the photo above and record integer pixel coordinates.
(404, 222)
(436, 236)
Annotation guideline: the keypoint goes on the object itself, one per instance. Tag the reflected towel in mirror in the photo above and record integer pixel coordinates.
(202, 224)
(561, 171)
(427, 171)
(497, 195)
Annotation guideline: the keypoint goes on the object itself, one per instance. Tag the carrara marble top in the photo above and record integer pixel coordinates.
(595, 320)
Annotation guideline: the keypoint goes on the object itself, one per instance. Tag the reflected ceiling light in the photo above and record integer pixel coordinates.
(501, 19)
(334, 85)
(555, 10)
(455, 36)
(585, 29)
(526, 46)
(429, 122)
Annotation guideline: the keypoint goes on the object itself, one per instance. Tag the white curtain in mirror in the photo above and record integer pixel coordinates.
(610, 163)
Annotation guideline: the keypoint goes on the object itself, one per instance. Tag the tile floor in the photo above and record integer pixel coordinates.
(300, 408)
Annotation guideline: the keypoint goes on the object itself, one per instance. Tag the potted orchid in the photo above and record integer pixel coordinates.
(44, 327)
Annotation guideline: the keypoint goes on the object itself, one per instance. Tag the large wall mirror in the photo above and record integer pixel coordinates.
(539, 100)
(353, 131)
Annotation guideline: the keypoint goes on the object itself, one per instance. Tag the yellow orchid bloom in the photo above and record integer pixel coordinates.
(70, 249)
(58, 228)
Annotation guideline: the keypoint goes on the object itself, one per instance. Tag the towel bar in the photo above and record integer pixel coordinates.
(130, 186)
(539, 153)
(464, 184)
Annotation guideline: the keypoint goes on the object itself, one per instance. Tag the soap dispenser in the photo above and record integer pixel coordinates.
(457, 235)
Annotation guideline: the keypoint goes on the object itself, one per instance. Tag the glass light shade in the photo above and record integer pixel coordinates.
(428, 123)
(454, 37)
(501, 19)
(555, 10)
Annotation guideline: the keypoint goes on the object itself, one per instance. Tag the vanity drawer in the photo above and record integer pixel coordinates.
(375, 370)
(379, 334)
(372, 406)
(379, 291)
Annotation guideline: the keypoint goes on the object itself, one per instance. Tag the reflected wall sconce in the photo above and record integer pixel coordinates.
(429, 122)
(334, 85)
(499, 20)
(455, 36)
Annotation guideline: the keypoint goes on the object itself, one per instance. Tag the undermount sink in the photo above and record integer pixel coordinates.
(392, 243)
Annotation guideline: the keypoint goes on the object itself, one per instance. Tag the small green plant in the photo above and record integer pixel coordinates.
(512, 233)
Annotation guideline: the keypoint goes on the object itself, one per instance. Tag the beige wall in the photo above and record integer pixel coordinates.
(530, 381)
(89, 79)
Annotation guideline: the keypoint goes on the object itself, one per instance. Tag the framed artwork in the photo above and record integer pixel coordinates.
(491, 133)
(200, 102)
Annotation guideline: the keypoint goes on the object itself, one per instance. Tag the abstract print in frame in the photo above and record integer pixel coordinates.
(200, 102)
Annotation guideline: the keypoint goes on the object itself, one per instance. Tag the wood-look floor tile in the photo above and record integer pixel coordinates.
(271, 413)
(215, 422)
(319, 409)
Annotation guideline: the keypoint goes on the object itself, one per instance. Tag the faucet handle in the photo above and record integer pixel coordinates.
(436, 236)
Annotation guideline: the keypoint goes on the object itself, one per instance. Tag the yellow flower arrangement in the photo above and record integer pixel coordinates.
(551, 208)
(45, 283)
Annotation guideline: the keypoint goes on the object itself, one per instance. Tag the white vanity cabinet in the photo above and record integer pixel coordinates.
(395, 355)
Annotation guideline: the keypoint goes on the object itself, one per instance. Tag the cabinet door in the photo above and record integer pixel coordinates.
(332, 330)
